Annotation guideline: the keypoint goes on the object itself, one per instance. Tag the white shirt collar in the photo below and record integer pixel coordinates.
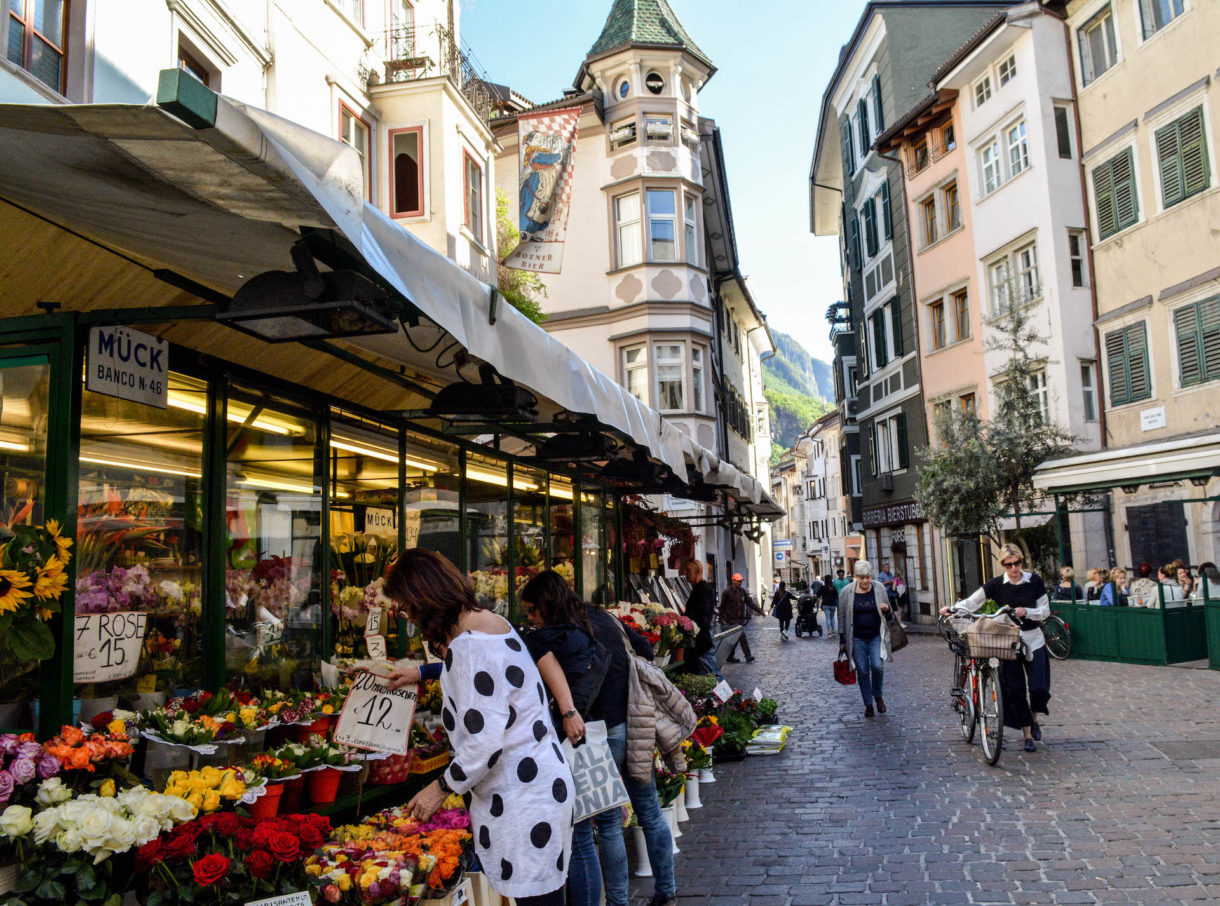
(1024, 578)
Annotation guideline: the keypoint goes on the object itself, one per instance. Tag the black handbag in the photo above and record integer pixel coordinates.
(898, 634)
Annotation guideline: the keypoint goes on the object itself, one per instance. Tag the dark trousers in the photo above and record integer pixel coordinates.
(743, 642)
(1027, 688)
(784, 623)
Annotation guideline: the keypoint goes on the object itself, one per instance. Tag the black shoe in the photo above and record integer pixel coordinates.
(880, 705)
(732, 660)
(1029, 746)
(749, 660)
(868, 710)
(662, 901)
(1036, 731)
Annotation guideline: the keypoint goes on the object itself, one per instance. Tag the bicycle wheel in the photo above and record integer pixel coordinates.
(991, 713)
(963, 699)
(1058, 638)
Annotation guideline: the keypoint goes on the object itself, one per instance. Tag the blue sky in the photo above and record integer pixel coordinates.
(773, 59)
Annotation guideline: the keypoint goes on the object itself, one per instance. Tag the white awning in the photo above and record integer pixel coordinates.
(1167, 460)
(222, 204)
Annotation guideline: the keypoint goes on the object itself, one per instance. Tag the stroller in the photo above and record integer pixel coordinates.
(808, 606)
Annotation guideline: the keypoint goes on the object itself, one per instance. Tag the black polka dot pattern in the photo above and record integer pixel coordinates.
(512, 717)
(506, 869)
(559, 789)
(495, 756)
(558, 751)
(497, 805)
(559, 862)
(527, 770)
(484, 837)
(540, 835)
(447, 719)
(449, 659)
(515, 676)
(457, 773)
(541, 695)
(539, 730)
(513, 644)
(484, 684)
(473, 719)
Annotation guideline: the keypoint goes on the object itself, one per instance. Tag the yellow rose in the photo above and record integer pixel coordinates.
(328, 709)
(211, 801)
(345, 882)
(117, 727)
(248, 716)
(195, 799)
(106, 789)
(211, 776)
(232, 789)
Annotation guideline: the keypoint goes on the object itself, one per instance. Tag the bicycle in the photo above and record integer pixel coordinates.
(1058, 637)
(978, 696)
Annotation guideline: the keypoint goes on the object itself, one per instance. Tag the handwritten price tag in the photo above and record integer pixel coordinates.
(373, 626)
(376, 646)
(723, 691)
(300, 898)
(107, 646)
(375, 717)
(757, 694)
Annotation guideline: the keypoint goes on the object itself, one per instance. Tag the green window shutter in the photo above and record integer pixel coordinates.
(1195, 173)
(880, 116)
(1116, 365)
(1169, 158)
(872, 447)
(1190, 358)
(896, 324)
(853, 242)
(1209, 336)
(1103, 194)
(887, 221)
(879, 348)
(1137, 362)
(869, 212)
(849, 156)
(1126, 202)
(865, 135)
(900, 425)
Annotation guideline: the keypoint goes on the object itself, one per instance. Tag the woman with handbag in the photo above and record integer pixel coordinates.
(864, 631)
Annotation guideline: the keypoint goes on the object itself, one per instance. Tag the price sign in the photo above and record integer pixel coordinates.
(757, 694)
(300, 898)
(107, 646)
(376, 646)
(375, 717)
(723, 691)
(373, 626)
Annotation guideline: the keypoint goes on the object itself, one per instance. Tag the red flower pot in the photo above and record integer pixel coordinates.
(324, 785)
(290, 801)
(267, 805)
(321, 727)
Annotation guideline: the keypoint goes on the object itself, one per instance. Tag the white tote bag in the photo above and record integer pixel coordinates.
(599, 787)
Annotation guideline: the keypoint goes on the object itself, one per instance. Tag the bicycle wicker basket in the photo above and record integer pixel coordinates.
(998, 639)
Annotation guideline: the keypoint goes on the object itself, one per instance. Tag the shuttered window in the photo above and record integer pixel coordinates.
(1181, 150)
(896, 326)
(887, 223)
(849, 154)
(879, 115)
(869, 215)
(866, 137)
(853, 243)
(1127, 362)
(1114, 192)
(1198, 329)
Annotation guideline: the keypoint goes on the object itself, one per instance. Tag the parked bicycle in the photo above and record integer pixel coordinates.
(977, 693)
(1058, 637)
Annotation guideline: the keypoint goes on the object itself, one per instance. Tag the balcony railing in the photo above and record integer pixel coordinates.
(412, 54)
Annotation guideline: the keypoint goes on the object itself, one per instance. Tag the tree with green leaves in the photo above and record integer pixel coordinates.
(522, 289)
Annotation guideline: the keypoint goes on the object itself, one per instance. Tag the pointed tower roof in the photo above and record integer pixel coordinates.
(647, 23)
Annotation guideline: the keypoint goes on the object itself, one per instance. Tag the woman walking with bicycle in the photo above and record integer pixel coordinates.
(1026, 682)
(865, 632)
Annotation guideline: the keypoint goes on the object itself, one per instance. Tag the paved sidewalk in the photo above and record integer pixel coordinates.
(1120, 804)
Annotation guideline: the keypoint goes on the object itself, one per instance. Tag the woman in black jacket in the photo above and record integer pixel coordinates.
(830, 602)
(781, 608)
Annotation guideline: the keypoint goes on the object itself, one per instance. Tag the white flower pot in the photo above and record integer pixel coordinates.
(146, 701)
(643, 868)
(707, 775)
(692, 791)
(680, 807)
(91, 707)
(671, 818)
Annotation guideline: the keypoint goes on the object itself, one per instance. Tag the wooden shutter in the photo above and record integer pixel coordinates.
(896, 324)
(900, 426)
(849, 156)
(1103, 195)
(1116, 366)
(853, 242)
(865, 135)
(1137, 359)
(880, 115)
(1185, 321)
(1209, 337)
(1169, 158)
(887, 221)
(869, 212)
(1195, 174)
(1126, 203)
(872, 447)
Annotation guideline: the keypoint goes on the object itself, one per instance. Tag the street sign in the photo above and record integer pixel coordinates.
(780, 556)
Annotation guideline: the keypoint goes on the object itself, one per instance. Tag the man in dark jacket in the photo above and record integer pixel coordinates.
(701, 608)
(735, 607)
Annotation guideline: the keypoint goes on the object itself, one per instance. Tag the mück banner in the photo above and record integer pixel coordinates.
(547, 141)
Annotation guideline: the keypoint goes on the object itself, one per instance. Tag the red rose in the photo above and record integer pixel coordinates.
(284, 847)
(260, 838)
(210, 869)
(180, 846)
(311, 837)
(225, 823)
(259, 863)
(149, 856)
(242, 837)
(190, 706)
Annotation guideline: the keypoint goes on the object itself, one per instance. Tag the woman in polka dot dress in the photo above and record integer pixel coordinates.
(506, 753)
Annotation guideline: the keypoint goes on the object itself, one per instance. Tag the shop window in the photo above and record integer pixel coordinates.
(407, 172)
(1115, 194)
(354, 132)
(487, 521)
(592, 540)
(662, 236)
(529, 526)
(1181, 150)
(273, 513)
(1098, 48)
(562, 532)
(1156, 14)
(139, 545)
(473, 184)
(628, 230)
(36, 39)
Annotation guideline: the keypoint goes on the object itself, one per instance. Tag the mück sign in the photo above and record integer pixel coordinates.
(376, 717)
(107, 646)
(893, 514)
(128, 364)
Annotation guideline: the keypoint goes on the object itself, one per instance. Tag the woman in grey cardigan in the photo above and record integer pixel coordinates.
(864, 631)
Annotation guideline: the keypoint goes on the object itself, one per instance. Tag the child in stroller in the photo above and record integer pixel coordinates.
(808, 605)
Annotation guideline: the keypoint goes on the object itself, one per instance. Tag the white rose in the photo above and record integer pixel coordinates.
(110, 804)
(180, 727)
(147, 829)
(52, 792)
(95, 826)
(46, 825)
(69, 841)
(17, 821)
(122, 836)
(181, 811)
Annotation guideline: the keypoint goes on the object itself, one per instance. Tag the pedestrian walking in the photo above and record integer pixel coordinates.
(830, 602)
(736, 606)
(781, 608)
(864, 631)
(1027, 680)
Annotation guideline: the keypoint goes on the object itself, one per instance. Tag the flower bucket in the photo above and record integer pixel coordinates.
(707, 775)
(321, 726)
(643, 868)
(92, 707)
(692, 791)
(161, 759)
(268, 804)
(290, 799)
(680, 807)
(671, 818)
(324, 785)
(253, 742)
(146, 701)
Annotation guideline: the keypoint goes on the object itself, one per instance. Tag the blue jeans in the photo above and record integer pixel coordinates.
(832, 618)
(584, 872)
(870, 672)
(656, 832)
(708, 660)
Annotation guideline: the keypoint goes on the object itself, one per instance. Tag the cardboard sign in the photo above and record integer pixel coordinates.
(723, 691)
(300, 898)
(379, 520)
(757, 694)
(128, 364)
(376, 646)
(375, 717)
(107, 646)
(373, 626)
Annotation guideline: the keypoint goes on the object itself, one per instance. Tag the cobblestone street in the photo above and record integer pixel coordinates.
(1120, 804)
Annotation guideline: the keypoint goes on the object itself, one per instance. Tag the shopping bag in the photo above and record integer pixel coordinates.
(599, 787)
(898, 634)
(845, 673)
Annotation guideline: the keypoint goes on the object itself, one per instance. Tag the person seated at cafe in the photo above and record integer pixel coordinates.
(1097, 577)
(1171, 591)
(1067, 589)
(1209, 572)
(1114, 592)
(1185, 579)
(1143, 589)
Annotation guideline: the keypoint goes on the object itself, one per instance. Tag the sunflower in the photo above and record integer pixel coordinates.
(50, 583)
(12, 589)
(61, 543)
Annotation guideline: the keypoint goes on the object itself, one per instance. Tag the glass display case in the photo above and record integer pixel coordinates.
(592, 544)
(562, 531)
(488, 559)
(529, 524)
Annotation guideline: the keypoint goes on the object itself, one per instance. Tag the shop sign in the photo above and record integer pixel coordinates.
(1151, 419)
(107, 646)
(892, 514)
(300, 898)
(782, 542)
(128, 364)
(376, 717)
(379, 520)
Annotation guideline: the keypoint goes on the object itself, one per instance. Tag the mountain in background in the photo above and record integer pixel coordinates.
(799, 391)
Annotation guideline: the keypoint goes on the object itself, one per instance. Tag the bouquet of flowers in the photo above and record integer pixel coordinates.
(430, 699)
(669, 785)
(32, 580)
(320, 752)
(697, 757)
(426, 745)
(76, 750)
(23, 760)
(674, 631)
(351, 874)
(115, 589)
(269, 767)
(208, 788)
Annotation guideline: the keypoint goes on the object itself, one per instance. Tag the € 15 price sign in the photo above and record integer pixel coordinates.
(376, 717)
(107, 646)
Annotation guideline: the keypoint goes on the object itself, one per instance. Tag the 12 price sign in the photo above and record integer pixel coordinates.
(376, 717)
(107, 646)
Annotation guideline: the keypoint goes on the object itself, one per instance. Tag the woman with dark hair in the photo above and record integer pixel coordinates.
(573, 664)
(781, 608)
(830, 603)
(506, 754)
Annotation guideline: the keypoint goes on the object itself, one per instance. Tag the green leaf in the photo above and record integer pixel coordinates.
(51, 890)
(30, 639)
